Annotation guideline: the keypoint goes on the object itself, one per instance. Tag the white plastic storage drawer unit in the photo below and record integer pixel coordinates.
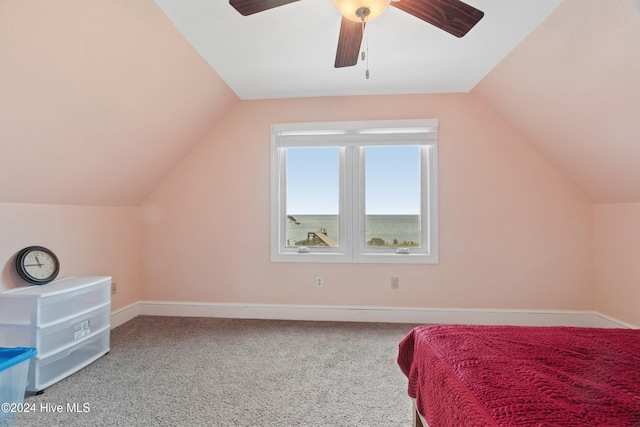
(68, 321)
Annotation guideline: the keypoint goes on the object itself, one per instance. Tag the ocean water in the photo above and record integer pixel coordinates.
(387, 227)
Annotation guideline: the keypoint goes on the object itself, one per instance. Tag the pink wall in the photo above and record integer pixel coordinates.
(109, 89)
(617, 266)
(577, 68)
(514, 232)
(89, 241)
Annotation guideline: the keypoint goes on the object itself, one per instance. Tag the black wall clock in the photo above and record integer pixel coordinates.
(37, 265)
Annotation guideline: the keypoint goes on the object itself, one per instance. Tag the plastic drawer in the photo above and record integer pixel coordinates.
(44, 372)
(57, 336)
(59, 306)
(39, 305)
(16, 311)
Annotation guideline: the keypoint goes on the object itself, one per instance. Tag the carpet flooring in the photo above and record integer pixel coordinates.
(168, 371)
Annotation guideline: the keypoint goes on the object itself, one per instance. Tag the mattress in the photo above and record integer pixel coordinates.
(477, 376)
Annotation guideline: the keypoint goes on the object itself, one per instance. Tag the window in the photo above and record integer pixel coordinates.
(354, 192)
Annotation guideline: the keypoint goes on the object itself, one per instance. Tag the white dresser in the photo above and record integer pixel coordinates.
(67, 321)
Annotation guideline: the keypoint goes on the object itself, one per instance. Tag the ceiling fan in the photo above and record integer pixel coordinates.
(452, 16)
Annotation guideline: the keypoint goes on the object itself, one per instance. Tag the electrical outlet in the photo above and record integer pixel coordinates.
(114, 288)
(319, 282)
(395, 283)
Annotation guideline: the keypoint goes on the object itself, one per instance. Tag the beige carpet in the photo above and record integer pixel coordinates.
(164, 371)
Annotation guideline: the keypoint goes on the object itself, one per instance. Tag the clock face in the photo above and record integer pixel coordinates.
(37, 265)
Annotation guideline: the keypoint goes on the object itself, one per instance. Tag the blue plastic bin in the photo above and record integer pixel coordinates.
(14, 366)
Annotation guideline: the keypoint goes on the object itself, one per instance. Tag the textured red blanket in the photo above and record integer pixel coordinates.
(523, 376)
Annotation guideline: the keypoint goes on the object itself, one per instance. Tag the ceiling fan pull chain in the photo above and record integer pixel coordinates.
(362, 55)
(366, 48)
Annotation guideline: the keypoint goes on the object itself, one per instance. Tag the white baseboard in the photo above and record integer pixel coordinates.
(617, 321)
(368, 314)
(125, 314)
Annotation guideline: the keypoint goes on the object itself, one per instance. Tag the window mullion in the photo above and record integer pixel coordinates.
(348, 201)
(359, 188)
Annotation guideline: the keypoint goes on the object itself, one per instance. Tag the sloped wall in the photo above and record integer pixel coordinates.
(514, 232)
(571, 89)
(103, 98)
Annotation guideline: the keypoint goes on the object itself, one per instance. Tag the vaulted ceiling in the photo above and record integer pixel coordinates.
(100, 100)
(289, 51)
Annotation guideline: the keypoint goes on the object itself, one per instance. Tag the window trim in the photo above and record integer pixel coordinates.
(349, 136)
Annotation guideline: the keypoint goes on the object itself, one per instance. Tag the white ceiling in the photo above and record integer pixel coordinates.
(289, 51)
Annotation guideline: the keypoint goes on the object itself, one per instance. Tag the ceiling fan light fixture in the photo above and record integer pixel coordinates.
(361, 10)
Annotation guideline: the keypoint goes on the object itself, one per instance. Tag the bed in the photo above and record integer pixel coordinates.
(461, 375)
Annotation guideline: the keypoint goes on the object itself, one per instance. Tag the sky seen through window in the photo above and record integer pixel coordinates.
(392, 180)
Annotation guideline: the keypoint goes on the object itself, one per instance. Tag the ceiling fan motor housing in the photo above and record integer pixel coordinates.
(361, 10)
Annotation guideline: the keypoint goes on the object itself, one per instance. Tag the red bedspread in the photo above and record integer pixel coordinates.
(473, 376)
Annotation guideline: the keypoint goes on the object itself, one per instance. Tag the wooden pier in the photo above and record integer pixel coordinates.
(322, 235)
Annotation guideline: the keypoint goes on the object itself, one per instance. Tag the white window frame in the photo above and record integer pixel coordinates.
(350, 136)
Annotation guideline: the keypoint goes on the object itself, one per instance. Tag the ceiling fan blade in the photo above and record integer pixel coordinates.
(452, 16)
(349, 42)
(249, 7)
